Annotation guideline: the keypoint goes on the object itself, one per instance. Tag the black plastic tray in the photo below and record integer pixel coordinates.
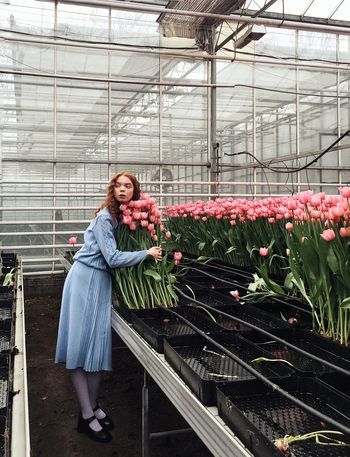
(4, 436)
(123, 310)
(204, 283)
(6, 291)
(259, 415)
(337, 381)
(287, 309)
(8, 259)
(7, 303)
(242, 311)
(156, 324)
(314, 344)
(202, 366)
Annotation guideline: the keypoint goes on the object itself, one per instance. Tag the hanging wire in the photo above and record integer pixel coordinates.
(290, 170)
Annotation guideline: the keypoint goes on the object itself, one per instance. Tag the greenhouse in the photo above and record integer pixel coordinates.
(174, 228)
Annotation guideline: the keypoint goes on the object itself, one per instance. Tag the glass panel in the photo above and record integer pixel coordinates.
(317, 45)
(134, 28)
(82, 22)
(20, 113)
(82, 122)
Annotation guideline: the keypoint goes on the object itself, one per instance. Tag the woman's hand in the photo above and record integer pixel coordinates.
(156, 252)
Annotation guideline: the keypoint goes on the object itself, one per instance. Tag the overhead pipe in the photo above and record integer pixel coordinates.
(126, 6)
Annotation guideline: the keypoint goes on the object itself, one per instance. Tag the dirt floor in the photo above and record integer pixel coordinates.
(54, 410)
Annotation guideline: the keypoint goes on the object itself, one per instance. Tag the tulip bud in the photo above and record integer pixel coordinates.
(72, 240)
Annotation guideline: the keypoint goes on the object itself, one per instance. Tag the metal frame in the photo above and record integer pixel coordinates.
(20, 436)
(206, 162)
(146, 434)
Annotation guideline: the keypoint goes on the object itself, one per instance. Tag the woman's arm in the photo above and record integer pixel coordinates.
(103, 232)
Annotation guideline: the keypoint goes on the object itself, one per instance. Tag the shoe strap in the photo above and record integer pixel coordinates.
(90, 419)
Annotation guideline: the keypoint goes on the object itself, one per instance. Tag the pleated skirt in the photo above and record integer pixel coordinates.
(84, 332)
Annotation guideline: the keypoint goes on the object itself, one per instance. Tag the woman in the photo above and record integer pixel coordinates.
(85, 335)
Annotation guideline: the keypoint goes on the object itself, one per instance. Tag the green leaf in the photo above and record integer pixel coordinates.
(345, 304)
(272, 285)
(153, 274)
(265, 359)
(205, 259)
(288, 284)
(201, 245)
(172, 279)
(170, 267)
(333, 261)
(8, 278)
(231, 249)
(171, 291)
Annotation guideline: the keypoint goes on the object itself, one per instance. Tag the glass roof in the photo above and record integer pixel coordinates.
(330, 9)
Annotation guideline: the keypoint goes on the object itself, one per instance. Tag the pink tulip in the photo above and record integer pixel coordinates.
(343, 232)
(264, 252)
(177, 256)
(328, 235)
(315, 200)
(292, 204)
(304, 197)
(168, 235)
(289, 226)
(336, 212)
(344, 192)
(72, 240)
(235, 294)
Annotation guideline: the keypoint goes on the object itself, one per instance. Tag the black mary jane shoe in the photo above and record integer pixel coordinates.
(102, 436)
(106, 422)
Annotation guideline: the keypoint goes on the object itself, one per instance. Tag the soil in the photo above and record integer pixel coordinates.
(54, 410)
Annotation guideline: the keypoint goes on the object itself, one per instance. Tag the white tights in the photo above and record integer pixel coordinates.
(86, 385)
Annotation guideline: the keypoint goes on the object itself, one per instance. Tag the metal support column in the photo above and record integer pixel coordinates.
(146, 435)
(145, 423)
(214, 146)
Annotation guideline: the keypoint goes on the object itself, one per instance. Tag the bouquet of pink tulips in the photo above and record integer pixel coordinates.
(149, 283)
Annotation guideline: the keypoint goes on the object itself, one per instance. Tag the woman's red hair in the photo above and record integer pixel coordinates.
(110, 201)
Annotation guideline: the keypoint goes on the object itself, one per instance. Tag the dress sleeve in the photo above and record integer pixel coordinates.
(103, 232)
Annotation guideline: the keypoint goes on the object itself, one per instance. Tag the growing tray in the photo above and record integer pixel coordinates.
(8, 259)
(4, 435)
(156, 324)
(6, 335)
(207, 283)
(337, 381)
(308, 341)
(259, 415)
(287, 309)
(6, 291)
(202, 366)
(242, 311)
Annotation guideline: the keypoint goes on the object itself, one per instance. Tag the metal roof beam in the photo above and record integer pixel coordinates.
(295, 18)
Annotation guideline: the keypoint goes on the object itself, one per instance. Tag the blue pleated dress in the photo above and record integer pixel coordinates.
(85, 332)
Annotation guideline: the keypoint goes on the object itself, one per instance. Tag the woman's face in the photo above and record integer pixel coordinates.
(123, 189)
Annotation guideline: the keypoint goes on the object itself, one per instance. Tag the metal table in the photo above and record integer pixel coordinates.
(204, 421)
